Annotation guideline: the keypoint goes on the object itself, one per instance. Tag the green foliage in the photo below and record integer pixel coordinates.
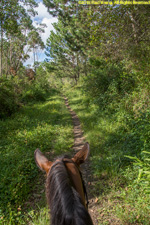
(42, 125)
(107, 82)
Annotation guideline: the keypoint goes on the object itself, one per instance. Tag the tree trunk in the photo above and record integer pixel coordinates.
(133, 27)
(1, 51)
(78, 69)
(85, 68)
(33, 56)
(10, 56)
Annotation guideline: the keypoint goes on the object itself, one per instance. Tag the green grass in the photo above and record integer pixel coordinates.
(47, 126)
(112, 134)
(40, 218)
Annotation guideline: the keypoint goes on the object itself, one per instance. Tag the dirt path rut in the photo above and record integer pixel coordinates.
(79, 141)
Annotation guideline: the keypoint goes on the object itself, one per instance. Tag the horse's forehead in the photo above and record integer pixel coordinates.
(76, 179)
(73, 169)
(74, 173)
(57, 160)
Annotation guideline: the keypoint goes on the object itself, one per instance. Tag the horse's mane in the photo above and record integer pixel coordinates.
(65, 203)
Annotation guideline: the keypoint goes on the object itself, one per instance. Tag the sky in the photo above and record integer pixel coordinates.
(42, 17)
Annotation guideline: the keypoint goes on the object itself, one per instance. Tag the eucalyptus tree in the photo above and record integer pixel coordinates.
(35, 43)
(11, 16)
(61, 52)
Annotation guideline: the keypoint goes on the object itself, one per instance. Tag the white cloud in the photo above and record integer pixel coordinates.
(42, 11)
(49, 27)
(44, 17)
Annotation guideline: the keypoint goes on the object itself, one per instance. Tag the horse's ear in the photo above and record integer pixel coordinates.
(41, 161)
(82, 155)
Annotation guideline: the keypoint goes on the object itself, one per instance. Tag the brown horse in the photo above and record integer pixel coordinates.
(65, 189)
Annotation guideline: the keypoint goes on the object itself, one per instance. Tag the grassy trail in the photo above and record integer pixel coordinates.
(47, 126)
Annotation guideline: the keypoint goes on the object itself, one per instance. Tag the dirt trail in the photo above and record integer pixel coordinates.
(79, 141)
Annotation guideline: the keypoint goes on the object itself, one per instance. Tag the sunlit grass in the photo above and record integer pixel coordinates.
(41, 218)
(47, 126)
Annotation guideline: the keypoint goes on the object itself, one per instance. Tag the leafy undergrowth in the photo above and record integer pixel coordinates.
(113, 134)
(46, 126)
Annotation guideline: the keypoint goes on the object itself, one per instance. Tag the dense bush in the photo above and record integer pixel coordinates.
(107, 81)
(34, 93)
(19, 90)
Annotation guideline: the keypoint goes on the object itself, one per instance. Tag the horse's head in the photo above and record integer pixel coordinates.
(72, 165)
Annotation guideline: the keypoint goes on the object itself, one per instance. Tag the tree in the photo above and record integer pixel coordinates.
(11, 16)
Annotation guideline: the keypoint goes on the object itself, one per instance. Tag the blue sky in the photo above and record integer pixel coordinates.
(42, 17)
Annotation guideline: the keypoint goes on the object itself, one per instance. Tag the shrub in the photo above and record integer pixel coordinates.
(34, 93)
(37, 89)
(8, 98)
